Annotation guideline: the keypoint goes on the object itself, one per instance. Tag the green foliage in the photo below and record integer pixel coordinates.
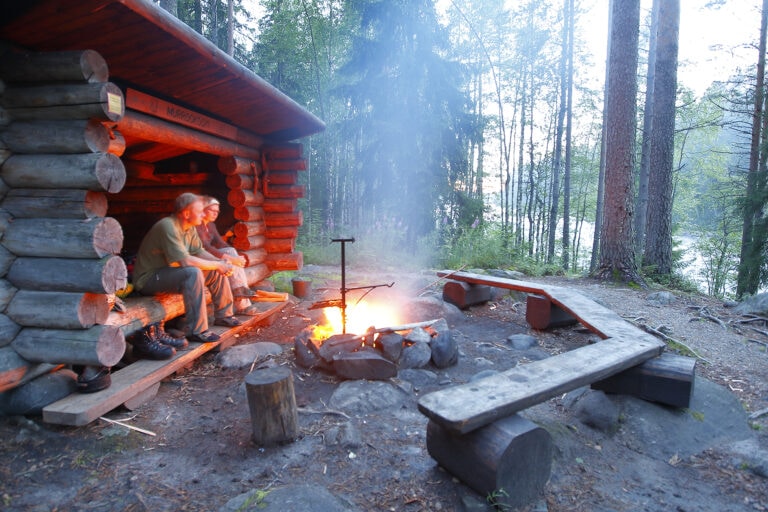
(496, 499)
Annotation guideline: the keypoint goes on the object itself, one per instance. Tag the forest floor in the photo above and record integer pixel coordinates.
(198, 453)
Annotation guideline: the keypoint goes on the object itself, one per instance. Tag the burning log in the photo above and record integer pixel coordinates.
(272, 404)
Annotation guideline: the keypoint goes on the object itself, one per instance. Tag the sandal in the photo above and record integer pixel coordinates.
(227, 321)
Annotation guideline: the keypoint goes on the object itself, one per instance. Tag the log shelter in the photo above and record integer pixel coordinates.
(109, 109)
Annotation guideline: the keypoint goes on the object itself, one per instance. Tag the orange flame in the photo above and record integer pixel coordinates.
(360, 316)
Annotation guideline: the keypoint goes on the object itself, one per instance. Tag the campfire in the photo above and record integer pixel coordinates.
(363, 338)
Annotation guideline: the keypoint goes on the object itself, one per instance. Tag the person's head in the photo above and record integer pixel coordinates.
(211, 208)
(189, 208)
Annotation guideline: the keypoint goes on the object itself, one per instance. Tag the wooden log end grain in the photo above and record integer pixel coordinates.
(108, 237)
(510, 459)
(272, 405)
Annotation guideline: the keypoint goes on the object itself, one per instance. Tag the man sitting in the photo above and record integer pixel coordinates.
(171, 259)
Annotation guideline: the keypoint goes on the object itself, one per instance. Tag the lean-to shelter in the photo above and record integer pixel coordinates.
(108, 110)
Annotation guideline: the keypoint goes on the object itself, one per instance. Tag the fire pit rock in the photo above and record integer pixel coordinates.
(379, 353)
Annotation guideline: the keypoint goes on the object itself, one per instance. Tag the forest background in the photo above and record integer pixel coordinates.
(476, 133)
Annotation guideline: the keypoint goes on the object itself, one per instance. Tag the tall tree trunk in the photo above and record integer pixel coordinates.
(617, 261)
(658, 240)
(558, 150)
(230, 27)
(641, 212)
(568, 143)
(748, 280)
(600, 203)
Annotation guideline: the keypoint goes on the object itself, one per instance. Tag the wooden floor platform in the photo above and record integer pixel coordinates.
(138, 381)
(466, 407)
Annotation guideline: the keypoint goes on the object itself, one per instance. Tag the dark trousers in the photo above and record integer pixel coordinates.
(190, 282)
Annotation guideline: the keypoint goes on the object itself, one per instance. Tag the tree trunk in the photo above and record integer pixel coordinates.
(641, 213)
(752, 240)
(658, 242)
(617, 260)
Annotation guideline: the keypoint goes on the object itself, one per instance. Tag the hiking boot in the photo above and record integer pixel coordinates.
(146, 346)
(157, 332)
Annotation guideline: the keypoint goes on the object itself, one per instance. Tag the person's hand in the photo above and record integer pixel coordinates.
(226, 268)
(238, 260)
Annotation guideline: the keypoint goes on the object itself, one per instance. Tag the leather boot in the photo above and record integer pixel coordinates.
(146, 346)
(157, 331)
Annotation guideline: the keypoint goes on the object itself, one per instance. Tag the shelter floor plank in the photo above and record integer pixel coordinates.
(131, 381)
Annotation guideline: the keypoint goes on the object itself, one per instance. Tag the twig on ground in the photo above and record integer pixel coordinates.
(705, 314)
(137, 429)
(306, 410)
(670, 339)
(757, 414)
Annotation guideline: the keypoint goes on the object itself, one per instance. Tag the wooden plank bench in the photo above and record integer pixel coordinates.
(466, 407)
(138, 381)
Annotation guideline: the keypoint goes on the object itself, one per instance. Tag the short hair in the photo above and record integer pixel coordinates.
(184, 200)
(209, 201)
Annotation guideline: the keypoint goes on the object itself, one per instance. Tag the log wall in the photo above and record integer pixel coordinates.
(74, 197)
(58, 249)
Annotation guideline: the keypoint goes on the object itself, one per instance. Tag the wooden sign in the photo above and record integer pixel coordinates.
(165, 110)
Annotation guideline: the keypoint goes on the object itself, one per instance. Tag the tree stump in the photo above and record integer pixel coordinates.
(272, 403)
(509, 460)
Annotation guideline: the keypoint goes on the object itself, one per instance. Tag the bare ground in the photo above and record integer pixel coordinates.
(201, 454)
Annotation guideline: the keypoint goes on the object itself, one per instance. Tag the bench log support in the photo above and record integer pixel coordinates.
(541, 314)
(463, 295)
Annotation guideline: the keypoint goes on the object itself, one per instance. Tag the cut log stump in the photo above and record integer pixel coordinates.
(542, 314)
(463, 295)
(509, 460)
(272, 404)
(667, 379)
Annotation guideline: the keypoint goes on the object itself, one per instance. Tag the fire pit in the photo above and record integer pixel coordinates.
(349, 345)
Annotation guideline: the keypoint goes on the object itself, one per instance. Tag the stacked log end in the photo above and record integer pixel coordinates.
(58, 250)
(264, 195)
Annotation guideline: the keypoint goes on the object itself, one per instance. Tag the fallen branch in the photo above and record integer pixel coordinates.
(131, 427)
(757, 414)
(670, 339)
(439, 279)
(305, 410)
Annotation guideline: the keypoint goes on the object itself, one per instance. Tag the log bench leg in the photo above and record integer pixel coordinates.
(510, 458)
(272, 404)
(541, 314)
(463, 295)
(667, 379)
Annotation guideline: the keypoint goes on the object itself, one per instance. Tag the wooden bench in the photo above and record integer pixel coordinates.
(466, 407)
(139, 381)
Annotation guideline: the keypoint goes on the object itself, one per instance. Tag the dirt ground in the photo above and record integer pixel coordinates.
(200, 454)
